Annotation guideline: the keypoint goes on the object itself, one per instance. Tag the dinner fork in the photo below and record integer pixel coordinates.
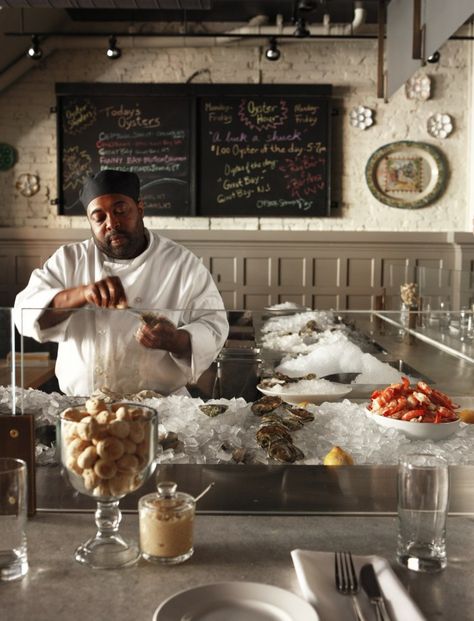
(346, 580)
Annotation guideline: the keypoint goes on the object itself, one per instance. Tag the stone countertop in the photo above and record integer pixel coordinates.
(244, 548)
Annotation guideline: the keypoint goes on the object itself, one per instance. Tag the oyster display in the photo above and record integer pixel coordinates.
(110, 396)
(309, 328)
(243, 456)
(283, 451)
(271, 418)
(304, 415)
(270, 433)
(213, 409)
(281, 377)
(171, 441)
(265, 405)
(292, 423)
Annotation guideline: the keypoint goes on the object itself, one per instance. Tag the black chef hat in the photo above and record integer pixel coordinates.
(110, 182)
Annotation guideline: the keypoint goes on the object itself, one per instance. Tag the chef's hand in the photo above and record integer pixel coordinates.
(106, 293)
(163, 334)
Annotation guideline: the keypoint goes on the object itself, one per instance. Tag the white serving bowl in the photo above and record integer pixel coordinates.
(298, 397)
(417, 431)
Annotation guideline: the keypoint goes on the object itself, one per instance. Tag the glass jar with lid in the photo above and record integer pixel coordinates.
(166, 523)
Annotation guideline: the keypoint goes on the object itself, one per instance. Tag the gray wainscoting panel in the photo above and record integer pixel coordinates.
(321, 269)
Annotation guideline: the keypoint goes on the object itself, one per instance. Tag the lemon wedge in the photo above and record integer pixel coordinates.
(338, 457)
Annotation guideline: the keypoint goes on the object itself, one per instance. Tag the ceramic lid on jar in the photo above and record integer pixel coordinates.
(167, 498)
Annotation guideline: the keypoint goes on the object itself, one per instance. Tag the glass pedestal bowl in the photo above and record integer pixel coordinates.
(108, 451)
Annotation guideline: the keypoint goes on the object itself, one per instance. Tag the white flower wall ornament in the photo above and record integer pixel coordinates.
(361, 117)
(27, 184)
(418, 87)
(440, 125)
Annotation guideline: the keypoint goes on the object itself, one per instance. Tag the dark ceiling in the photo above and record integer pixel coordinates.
(340, 11)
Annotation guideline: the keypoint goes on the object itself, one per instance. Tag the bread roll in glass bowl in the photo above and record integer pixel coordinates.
(108, 451)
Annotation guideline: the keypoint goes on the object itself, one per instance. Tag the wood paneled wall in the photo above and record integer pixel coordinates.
(256, 268)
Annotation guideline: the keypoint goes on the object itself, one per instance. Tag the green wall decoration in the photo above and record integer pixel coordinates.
(7, 156)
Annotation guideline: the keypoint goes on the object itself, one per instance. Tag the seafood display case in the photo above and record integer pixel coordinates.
(301, 411)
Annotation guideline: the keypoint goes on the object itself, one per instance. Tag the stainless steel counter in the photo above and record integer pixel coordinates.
(294, 490)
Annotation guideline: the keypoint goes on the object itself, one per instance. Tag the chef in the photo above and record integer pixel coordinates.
(87, 295)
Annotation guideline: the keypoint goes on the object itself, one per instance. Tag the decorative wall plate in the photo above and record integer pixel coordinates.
(440, 125)
(27, 184)
(361, 117)
(406, 174)
(7, 156)
(418, 87)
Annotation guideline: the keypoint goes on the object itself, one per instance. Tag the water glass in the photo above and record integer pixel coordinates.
(465, 324)
(444, 316)
(13, 507)
(423, 493)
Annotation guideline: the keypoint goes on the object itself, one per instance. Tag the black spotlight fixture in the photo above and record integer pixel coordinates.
(434, 58)
(34, 51)
(272, 52)
(113, 52)
(301, 30)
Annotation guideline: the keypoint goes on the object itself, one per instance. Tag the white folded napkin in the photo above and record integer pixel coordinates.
(315, 572)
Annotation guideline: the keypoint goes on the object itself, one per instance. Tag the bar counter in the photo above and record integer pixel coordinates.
(248, 525)
(243, 548)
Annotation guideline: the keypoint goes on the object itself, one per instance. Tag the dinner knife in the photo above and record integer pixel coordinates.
(371, 586)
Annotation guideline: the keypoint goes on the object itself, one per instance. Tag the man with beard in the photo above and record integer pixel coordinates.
(124, 266)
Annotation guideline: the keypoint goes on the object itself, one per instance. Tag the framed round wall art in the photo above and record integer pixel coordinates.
(406, 174)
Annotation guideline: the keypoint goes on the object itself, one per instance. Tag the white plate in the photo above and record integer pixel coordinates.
(416, 431)
(298, 397)
(315, 572)
(235, 601)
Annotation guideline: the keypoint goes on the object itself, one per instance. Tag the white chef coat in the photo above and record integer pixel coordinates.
(97, 347)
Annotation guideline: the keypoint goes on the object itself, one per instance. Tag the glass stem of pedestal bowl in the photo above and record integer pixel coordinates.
(107, 518)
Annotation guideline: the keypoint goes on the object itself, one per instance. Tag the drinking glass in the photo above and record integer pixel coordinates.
(444, 315)
(107, 454)
(423, 491)
(13, 504)
(465, 324)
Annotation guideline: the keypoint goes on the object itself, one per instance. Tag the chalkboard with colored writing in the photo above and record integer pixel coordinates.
(264, 155)
(205, 150)
(138, 132)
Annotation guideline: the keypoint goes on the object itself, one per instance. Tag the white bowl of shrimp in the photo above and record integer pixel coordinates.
(419, 411)
(417, 430)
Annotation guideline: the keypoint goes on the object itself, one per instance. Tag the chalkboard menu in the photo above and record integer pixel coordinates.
(206, 150)
(263, 155)
(141, 133)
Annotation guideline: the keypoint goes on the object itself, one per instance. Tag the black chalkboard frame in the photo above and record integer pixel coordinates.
(83, 89)
(310, 92)
(193, 94)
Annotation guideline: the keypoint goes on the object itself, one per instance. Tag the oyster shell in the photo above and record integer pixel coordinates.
(309, 328)
(243, 456)
(292, 423)
(283, 451)
(213, 409)
(270, 433)
(304, 415)
(265, 405)
(170, 441)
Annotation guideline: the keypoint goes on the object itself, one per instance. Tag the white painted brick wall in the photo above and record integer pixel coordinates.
(26, 123)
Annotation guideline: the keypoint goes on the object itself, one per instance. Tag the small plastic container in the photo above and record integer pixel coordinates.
(166, 522)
